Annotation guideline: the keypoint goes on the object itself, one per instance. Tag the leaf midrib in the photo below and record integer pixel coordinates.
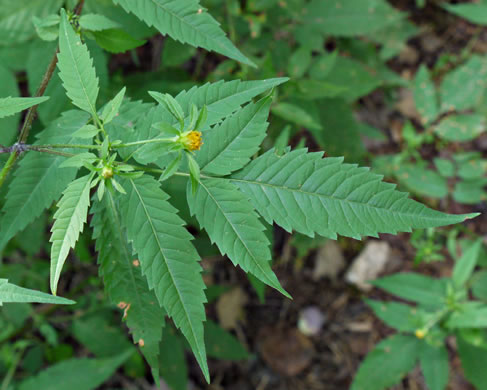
(282, 188)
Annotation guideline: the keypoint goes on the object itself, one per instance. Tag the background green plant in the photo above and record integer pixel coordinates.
(122, 131)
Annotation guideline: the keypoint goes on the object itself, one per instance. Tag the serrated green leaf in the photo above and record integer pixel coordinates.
(435, 367)
(425, 97)
(38, 180)
(76, 68)
(186, 21)
(465, 265)
(10, 106)
(461, 128)
(230, 145)
(463, 88)
(75, 374)
(68, 224)
(350, 17)
(116, 40)
(95, 22)
(230, 221)
(16, 18)
(124, 283)
(397, 315)
(112, 107)
(389, 361)
(414, 287)
(167, 257)
(304, 192)
(10, 293)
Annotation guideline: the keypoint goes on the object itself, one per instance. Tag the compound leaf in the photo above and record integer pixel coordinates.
(124, 283)
(186, 21)
(167, 257)
(38, 180)
(304, 192)
(76, 68)
(68, 224)
(231, 222)
(12, 105)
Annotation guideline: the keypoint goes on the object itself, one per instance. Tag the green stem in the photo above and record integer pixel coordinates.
(51, 151)
(147, 141)
(63, 146)
(11, 371)
(7, 167)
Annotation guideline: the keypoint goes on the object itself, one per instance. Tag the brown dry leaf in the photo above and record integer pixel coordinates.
(406, 105)
(329, 261)
(287, 352)
(369, 264)
(229, 308)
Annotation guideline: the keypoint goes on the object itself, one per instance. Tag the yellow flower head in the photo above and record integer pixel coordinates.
(420, 333)
(107, 172)
(191, 140)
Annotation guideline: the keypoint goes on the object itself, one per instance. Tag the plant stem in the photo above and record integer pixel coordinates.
(51, 151)
(31, 113)
(63, 146)
(147, 141)
(10, 374)
(7, 167)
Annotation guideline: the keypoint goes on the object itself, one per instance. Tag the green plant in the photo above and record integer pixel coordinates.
(442, 309)
(203, 151)
(448, 118)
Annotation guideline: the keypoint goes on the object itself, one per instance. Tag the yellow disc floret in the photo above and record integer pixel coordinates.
(420, 333)
(191, 140)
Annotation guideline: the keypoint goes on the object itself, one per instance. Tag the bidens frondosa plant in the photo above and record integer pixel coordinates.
(113, 162)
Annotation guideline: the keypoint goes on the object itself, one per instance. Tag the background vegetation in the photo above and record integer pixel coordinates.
(397, 85)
